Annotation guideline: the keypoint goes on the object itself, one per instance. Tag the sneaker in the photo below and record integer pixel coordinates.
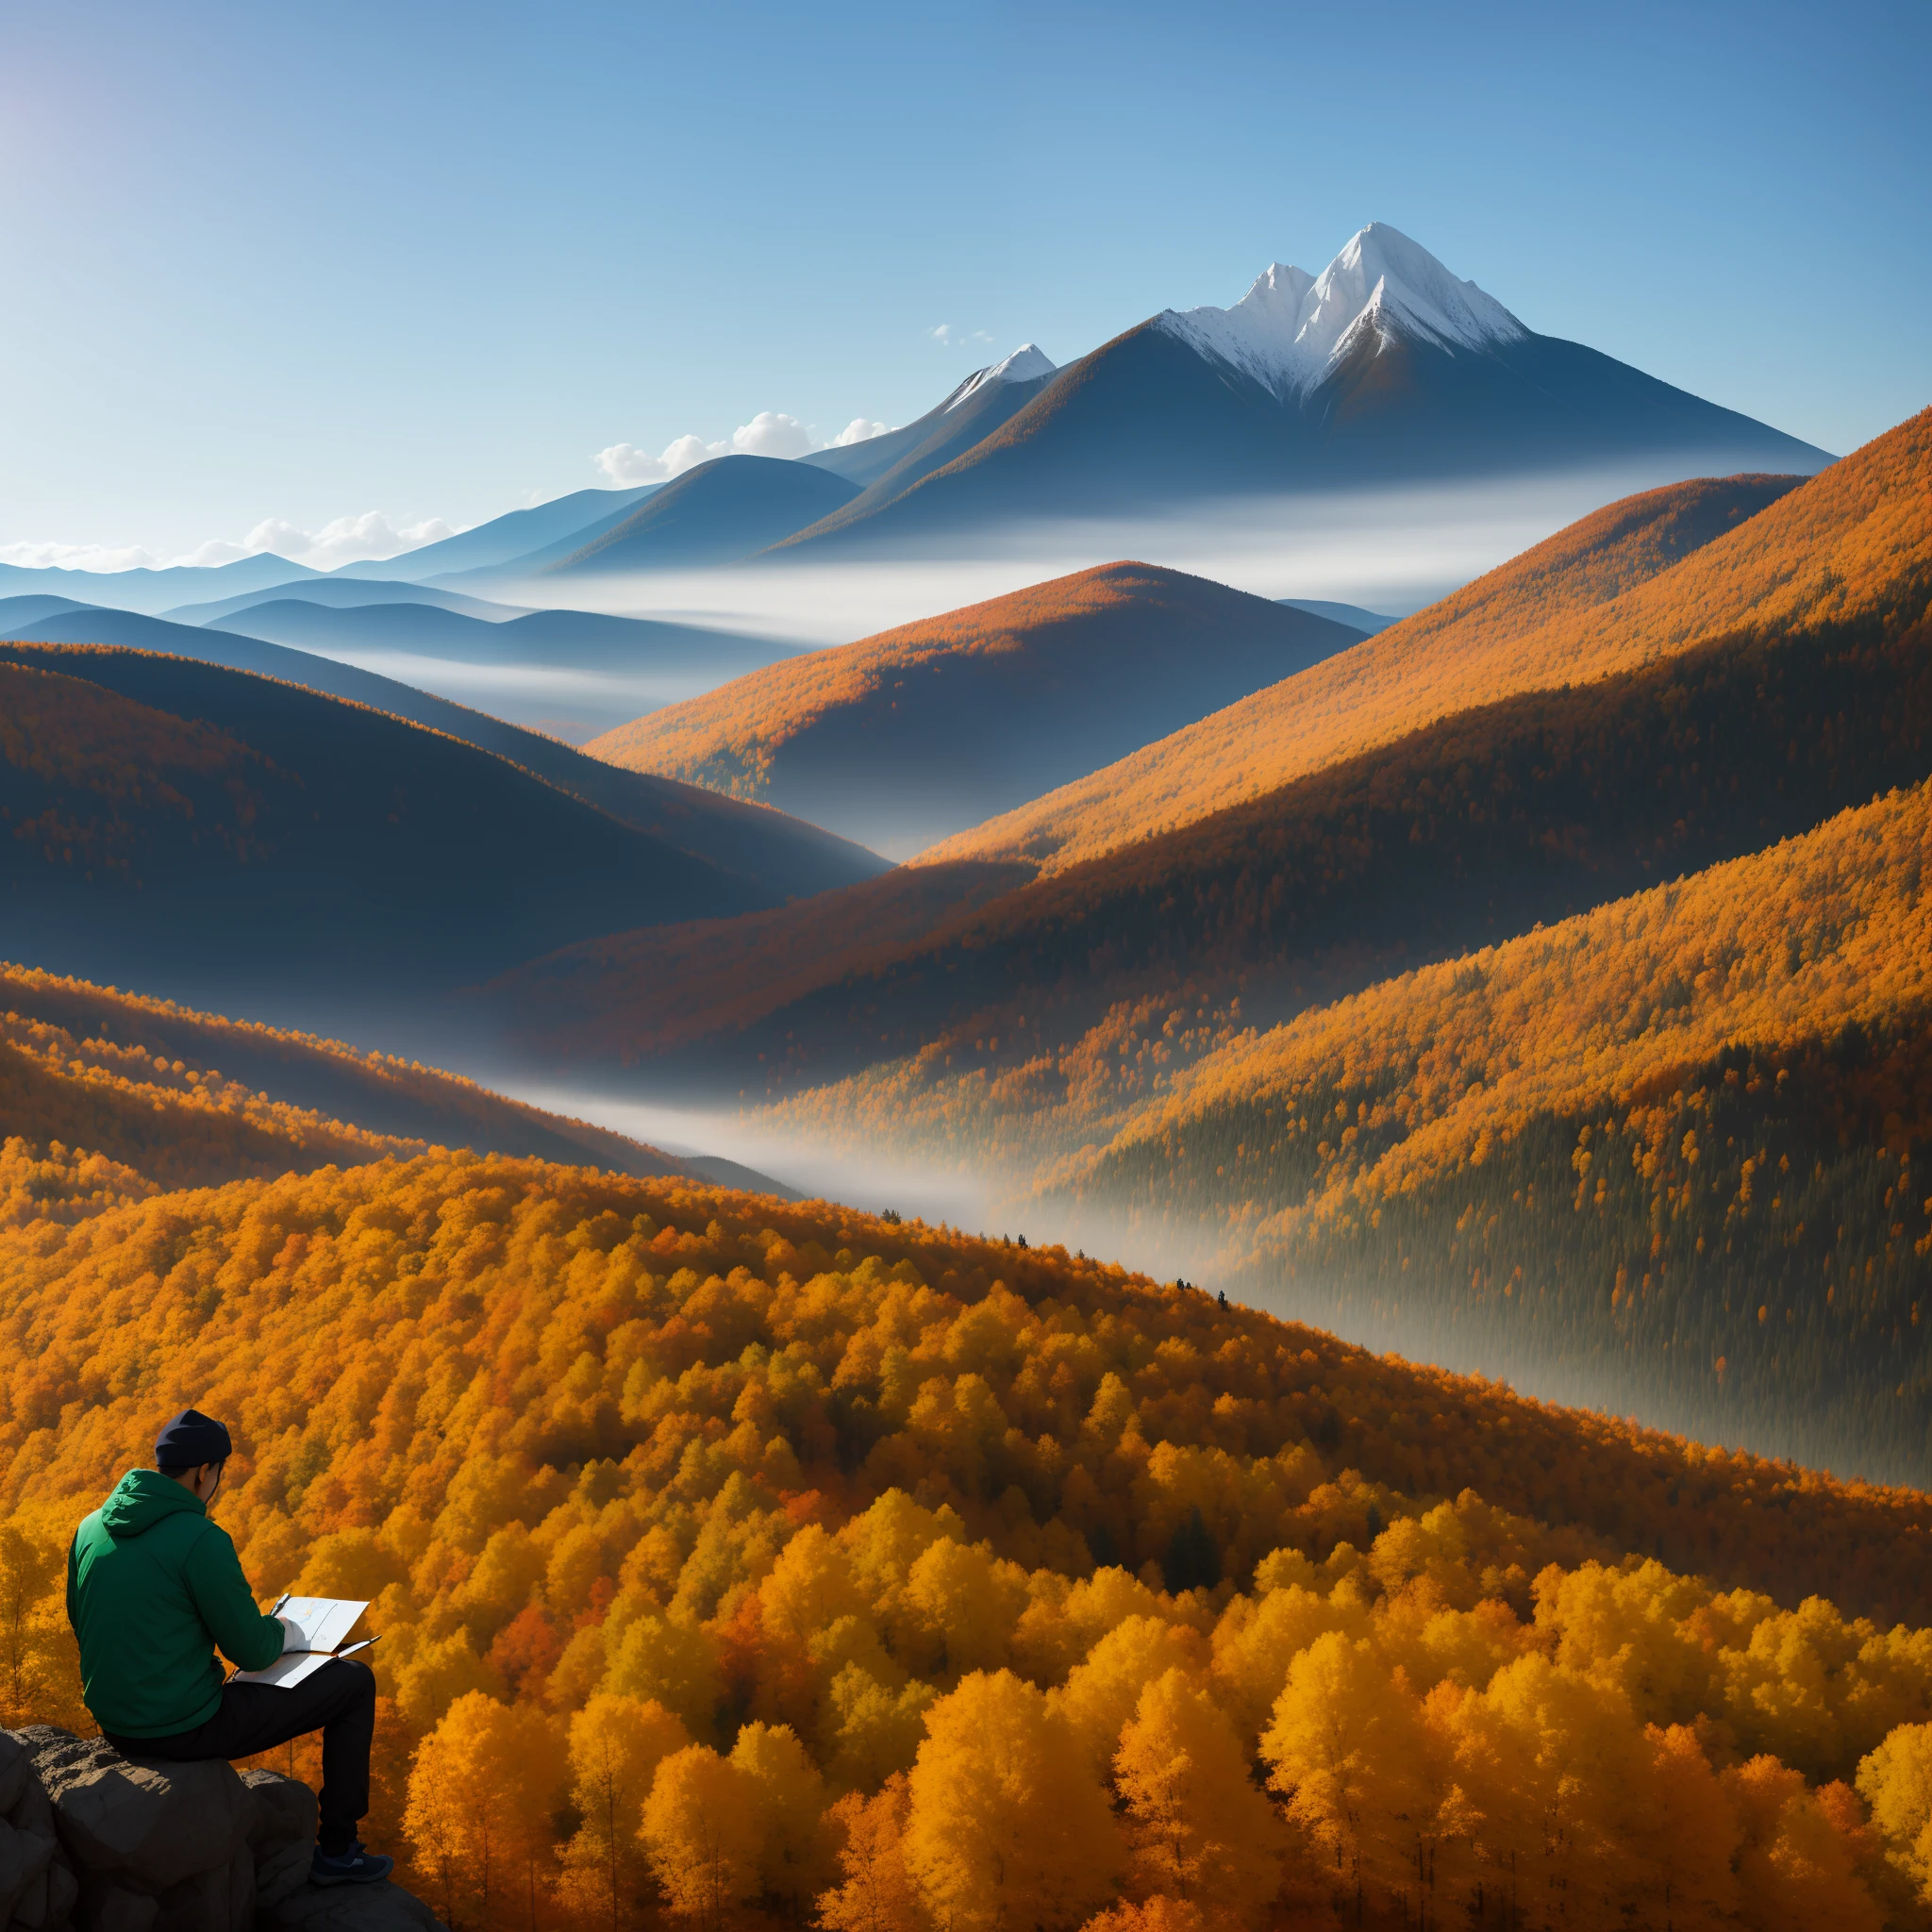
(352, 1867)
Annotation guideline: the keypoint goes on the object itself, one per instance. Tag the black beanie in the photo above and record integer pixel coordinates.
(191, 1440)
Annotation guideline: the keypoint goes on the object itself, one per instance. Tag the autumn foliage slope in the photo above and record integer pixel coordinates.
(932, 726)
(124, 1097)
(734, 1557)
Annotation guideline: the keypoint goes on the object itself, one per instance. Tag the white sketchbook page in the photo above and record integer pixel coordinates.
(288, 1670)
(323, 1620)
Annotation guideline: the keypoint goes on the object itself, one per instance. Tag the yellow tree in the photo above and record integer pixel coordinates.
(39, 1677)
(1684, 1828)
(701, 1826)
(1199, 1831)
(1157, 1914)
(481, 1792)
(1101, 1691)
(1897, 1781)
(1552, 1762)
(616, 1745)
(795, 1853)
(1795, 1870)
(1009, 1827)
(1345, 1749)
(876, 1893)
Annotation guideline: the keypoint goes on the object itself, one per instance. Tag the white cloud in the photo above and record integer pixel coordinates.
(78, 557)
(344, 540)
(770, 433)
(947, 336)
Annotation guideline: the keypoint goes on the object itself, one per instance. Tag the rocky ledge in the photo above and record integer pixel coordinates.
(93, 1842)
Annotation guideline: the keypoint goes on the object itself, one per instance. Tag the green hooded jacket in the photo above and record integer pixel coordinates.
(152, 1588)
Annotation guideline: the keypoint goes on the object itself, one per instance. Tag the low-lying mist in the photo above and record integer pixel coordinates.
(1390, 551)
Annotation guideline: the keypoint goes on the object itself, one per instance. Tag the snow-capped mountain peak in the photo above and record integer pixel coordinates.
(1027, 363)
(1286, 331)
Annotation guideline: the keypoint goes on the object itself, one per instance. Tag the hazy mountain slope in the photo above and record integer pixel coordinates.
(190, 829)
(153, 590)
(1498, 635)
(177, 1098)
(1664, 1146)
(503, 539)
(340, 594)
(773, 855)
(980, 404)
(1384, 370)
(919, 730)
(718, 512)
(658, 993)
(986, 398)
(567, 673)
(635, 647)
(1046, 1015)
(1370, 622)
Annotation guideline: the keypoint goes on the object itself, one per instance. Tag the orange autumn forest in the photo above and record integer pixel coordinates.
(1145, 1149)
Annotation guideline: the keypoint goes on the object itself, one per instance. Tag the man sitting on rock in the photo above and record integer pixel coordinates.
(153, 1586)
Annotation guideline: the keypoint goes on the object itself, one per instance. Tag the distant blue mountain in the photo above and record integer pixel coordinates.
(721, 512)
(503, 538)
(343, 592)
(153, 590)
(1367, 621)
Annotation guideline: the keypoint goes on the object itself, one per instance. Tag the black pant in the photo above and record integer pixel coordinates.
(338, 1700)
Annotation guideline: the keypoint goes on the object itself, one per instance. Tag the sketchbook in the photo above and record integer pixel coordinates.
(322, 1623)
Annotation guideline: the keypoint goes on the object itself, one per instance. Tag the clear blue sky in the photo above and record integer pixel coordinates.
(426, 260)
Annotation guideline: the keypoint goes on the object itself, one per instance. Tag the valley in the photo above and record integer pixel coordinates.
(1147, 1157)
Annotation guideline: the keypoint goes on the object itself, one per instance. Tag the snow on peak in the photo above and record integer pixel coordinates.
(1025, 364)
(1286, 330)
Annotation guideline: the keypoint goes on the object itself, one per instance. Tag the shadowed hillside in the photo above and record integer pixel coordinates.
(777, 857)
(194, 830)
(903, 737)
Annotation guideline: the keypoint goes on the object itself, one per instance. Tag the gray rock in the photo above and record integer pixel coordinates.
(281, 1808)
(25, 1857)
(16, 1768)
(92, 1841)
(351, 1908)
(146, 1826)
(108, 1908)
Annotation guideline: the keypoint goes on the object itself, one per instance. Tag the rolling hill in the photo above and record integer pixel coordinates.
(1243, 888)
(206, 832)
(1662, 1152)
(919, 730)
(1592, 600)
(777, 857)
(342, 593)
(718, 512)
(134, 1083)
(1383, 370)
(1786, 680)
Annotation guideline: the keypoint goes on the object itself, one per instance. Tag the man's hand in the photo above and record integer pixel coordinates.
(293, 1637)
